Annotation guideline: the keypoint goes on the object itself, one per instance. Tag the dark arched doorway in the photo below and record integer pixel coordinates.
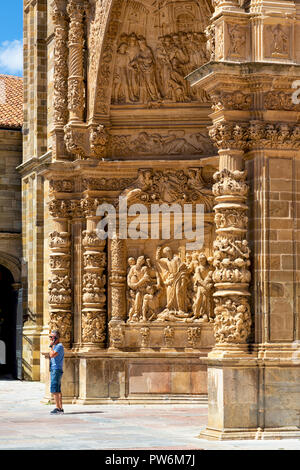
(8, 315)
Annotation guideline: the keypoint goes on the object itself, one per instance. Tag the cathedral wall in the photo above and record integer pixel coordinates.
(274, 237)
(35, 79)
(10, 196)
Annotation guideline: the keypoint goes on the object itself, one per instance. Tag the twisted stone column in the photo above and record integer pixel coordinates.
(60, 76)
(60, 293)
(76, 92)
(60, 84)
(93, 317)
(231, 251)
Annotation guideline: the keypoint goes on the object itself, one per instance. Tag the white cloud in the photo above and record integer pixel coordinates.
(11, 57)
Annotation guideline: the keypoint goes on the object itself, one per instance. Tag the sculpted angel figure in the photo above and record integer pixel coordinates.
(142, 184)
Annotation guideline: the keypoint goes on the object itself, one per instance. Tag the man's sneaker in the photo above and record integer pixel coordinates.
(56, 411)
(61, 410)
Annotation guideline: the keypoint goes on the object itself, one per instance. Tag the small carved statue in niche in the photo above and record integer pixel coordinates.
(237, 40)
(139, 279)
(279, 45)
(174, 275)
(203, 285)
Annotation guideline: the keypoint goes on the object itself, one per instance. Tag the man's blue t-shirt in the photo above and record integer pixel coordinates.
(56, 363)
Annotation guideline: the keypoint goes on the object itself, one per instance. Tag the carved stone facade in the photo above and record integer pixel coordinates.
(173, 105)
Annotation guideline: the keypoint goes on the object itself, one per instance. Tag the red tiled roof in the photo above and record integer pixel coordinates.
(11, 101)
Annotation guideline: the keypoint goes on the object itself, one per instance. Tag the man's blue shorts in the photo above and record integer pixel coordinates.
(55, 376)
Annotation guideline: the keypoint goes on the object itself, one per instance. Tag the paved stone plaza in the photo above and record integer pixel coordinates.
(26, 424)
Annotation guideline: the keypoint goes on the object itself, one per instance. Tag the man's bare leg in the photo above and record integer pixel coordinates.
(60, 401)
(56, 398)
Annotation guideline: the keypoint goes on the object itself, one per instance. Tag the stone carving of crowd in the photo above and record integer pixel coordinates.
(171, 289)
(144, 75)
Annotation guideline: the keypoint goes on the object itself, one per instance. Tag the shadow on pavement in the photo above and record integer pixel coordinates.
(83, 412)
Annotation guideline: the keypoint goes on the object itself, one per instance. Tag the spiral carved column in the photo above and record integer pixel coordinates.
(93, 316)
(60, 293)
(232, 323)
(60, 78)
(76, 92)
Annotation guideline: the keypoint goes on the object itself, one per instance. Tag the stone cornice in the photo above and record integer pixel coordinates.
(246, 69)
(35, 164)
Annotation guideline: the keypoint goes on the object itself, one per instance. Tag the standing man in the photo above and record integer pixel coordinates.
(56, 369)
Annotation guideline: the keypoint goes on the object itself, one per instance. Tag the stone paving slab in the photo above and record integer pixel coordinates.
(26, 424)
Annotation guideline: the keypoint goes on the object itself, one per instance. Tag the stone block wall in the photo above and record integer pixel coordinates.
(274, 221)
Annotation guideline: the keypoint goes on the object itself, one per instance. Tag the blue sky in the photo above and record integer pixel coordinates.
(11, 24)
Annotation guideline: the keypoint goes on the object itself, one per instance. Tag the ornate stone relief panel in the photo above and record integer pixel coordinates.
(277, 41)
(155, 143)
(174, 286)
(156, 46)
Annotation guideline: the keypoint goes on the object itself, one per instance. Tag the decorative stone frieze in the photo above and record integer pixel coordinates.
(255, 134)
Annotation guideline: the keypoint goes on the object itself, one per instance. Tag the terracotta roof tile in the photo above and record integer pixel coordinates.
(11, 101)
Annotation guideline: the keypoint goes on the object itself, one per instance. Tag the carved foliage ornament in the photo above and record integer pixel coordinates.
(93, 327)
(61, 321)
(255, 135)
(232, 320)
(230, 183)
(169, 186)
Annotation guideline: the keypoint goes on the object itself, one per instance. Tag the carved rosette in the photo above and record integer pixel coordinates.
(59, 288)
(76, 92)
(231, 277)
(93, 318)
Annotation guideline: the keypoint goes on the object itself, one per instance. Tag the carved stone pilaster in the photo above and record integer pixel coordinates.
(93, 316)
(76, 92)
(59, 289)
(118, 288)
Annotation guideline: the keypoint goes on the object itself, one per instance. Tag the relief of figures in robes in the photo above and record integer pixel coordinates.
(173, 288)
(145, 74)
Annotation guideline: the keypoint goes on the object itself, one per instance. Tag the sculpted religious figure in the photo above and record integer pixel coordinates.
(138, 278)
(174, 276)
(173, 288)
(203, 286)
(154, 74)
(279, 45)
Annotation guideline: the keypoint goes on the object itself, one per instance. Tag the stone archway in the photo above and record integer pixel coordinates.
(8, 322)
(13, 265)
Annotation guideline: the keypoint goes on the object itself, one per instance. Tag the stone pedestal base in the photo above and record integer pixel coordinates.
(98, 377)
(251, 398)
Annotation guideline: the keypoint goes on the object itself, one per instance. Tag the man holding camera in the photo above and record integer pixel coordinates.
(56, 370)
